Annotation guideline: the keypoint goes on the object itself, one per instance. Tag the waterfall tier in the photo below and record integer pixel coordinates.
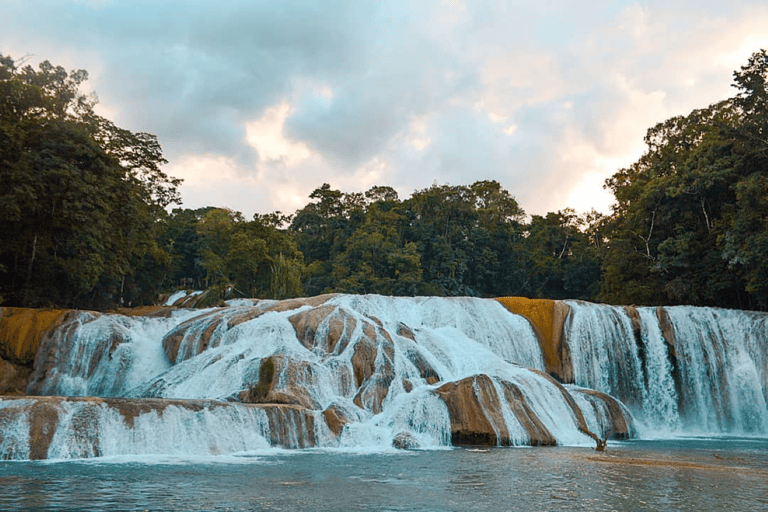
(360, 372)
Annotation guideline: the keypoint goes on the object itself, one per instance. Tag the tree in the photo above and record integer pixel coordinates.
(77, 216)
(689, 225)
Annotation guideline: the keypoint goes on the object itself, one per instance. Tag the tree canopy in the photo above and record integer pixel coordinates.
(79, 197)
(690, 223)
(86, 220)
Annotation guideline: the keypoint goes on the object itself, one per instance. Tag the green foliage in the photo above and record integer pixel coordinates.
(83, 204)
(79, 204)
(443, 240)
(689, 225)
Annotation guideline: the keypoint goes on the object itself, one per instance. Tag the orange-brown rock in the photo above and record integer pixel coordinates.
(289, 426)
(43, 420)
(373, 366)
(55, 349)
(13, 378)
(620, 425)
(306, 324)
(335, 419)
(22, 330)
(290, 304)
(197, 334)
(667, 331)
(475, 412)
(150, 311)
(538, 433)
(291, 384)
(474, 407)
(547, 317)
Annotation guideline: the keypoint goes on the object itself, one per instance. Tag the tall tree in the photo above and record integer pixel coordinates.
(78, 213)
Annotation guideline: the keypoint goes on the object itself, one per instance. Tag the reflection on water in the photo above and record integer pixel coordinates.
(702, 475)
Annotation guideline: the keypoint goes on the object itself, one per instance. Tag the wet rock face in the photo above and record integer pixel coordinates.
(78, 424)
(194, 336)
(335, 419)
(14, 378)
(475, 405)
(547, 317)
(405, 441)
(619, 422)
(22, 330)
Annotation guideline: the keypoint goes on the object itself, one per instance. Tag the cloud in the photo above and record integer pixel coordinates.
(258, 103)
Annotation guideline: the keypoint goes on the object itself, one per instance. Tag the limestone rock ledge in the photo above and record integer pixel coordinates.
(476, 408)
(547, 318)
(22, 331)
(33, 428)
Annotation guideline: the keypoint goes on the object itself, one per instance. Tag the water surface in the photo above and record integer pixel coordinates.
(688, 474)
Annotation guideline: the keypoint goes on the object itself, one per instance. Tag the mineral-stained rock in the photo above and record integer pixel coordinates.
(291, 384)
(22, 330)
(148, 311)
(57, 350)
(538, 433)
(426, 370)
(619, 423)
(335, 419)
(365, 352)
(547, 317)
(44, 418)
(306, 324)
(13, 378)
(373, 366)
(197, 334)
(474, 409)
(288, 426)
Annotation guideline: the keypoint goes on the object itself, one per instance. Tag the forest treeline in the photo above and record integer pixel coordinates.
(86, 221)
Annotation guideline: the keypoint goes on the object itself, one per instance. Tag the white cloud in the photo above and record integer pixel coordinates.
(266, 135)
(258, 103)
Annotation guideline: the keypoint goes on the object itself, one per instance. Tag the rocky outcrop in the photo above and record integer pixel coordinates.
(14, 378)
(289, 383)
(66, 346)
(28, 425)
(617, 422)
(475, 409)
(197, 334)
(325, 327)
(547, 317)
(22, 330)
(336, 419)
(475, 412)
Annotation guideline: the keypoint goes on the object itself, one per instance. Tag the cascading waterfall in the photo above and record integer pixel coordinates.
(660, 407)
(370, 372)
(604, 351)
(721, 357)
(709, 378)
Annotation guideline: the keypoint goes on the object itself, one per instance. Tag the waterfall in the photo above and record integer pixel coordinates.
(374, 372)
(708, 376)
(722, 358)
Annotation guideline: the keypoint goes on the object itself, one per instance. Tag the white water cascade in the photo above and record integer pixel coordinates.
(710, 376)
(370, 372)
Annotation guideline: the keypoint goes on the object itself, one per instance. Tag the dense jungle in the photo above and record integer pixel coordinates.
(91, 221)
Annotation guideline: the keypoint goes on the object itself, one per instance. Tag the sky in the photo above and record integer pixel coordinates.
(258, 103)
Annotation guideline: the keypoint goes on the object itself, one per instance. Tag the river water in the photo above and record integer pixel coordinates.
(701, 474)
